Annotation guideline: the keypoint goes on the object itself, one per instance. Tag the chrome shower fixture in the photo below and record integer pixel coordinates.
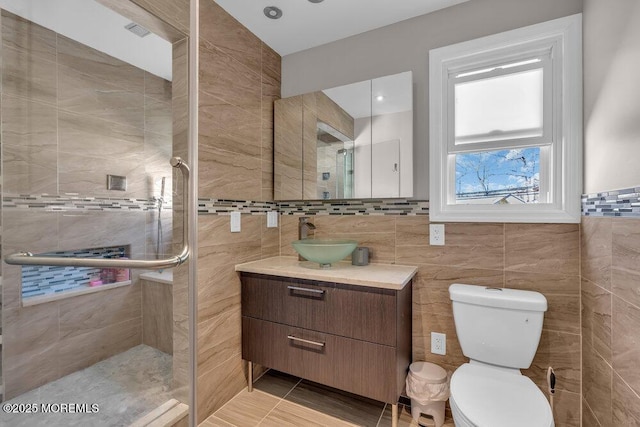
(316, 1)
(272, 12)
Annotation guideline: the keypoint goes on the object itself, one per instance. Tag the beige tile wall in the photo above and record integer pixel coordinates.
(157, 315)
(541, 257)
(610, 321)
(239, 80)
(70, 115)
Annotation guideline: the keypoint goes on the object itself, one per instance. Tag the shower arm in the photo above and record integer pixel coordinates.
(27, 258)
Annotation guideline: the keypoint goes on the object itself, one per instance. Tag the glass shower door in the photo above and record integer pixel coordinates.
(93, 107)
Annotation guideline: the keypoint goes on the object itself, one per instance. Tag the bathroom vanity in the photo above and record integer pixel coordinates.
(347, 327)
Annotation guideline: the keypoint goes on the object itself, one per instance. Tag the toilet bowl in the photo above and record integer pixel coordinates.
(483, 396)
(499, 330)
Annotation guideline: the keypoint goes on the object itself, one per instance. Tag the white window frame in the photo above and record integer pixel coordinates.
(561, 153)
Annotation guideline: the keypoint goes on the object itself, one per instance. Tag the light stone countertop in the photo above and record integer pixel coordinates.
(386, 276)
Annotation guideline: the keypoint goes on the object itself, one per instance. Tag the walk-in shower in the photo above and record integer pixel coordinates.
(88, 336)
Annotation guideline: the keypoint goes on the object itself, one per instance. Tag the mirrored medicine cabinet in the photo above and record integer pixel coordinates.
(349, 142)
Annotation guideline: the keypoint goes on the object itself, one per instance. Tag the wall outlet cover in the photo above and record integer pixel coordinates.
(236, 218)
(436, 234)
(272, 219)
(438, 343)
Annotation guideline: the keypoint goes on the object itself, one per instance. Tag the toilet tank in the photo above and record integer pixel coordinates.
(497, 325)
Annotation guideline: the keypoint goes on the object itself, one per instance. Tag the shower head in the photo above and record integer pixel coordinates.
(162, 187)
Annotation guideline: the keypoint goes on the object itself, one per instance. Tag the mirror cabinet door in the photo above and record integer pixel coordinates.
(344, 141)
(352, 141)
(392, 136)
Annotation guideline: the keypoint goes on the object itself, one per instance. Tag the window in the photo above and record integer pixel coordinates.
(505, 139)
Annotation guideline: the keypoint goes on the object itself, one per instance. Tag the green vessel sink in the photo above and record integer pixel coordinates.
(324, 251)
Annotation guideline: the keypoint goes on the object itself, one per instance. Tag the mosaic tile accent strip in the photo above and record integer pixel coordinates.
(225, 207)
(40, 280)
(619, 203)
(73, 203)
(356, 207)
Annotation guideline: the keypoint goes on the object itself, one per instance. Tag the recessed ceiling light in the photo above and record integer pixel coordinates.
(379, 98)
(316, 1)
(272, 12)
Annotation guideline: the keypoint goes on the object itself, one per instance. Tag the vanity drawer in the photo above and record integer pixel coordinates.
(362, 313)
(359, 367)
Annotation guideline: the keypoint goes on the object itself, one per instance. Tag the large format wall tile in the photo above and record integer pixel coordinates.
(82, 174)
(224, 77)
(625, 342)
(228, 35)
(217, 386)
(157, 116)
(230, 128)
(596, 385)
(99, 65)
(596, 319)
(562, 352)
(91, 136)
(610, 321)
(86, 94)
(157, 316)
(29, 76)
(625, 274)
(596, 241)
(20, 34)
(543, 248)
(157, 87)
(29, 170)
(562, 294)
(626, 404)
(228, 175)
(80, 351)
(28, 123)
(467, 245)
(86, 313)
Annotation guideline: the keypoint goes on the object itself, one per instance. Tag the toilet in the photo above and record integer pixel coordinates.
(499, 331)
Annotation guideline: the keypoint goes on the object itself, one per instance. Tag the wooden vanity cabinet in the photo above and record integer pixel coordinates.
(353, 338)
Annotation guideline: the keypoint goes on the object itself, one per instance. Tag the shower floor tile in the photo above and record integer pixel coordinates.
(124, 387)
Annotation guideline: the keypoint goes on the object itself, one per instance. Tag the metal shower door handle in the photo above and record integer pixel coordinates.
(27, 258)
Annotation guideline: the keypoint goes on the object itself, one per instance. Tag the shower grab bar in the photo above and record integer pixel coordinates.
(27, 258)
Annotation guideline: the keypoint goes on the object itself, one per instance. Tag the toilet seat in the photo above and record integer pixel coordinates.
(484, 396)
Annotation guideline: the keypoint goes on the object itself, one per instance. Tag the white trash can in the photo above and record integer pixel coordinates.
(428, 388)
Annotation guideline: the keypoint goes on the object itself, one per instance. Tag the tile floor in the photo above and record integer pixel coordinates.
(280, 400)
(125, 386)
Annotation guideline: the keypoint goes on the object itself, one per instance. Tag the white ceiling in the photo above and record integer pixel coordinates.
(99, 27)
(304, 25)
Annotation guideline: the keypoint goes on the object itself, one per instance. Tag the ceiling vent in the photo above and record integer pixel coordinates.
(138, 30)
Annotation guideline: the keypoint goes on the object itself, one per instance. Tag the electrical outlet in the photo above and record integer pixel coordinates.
(438, 343)
(436, 234)
(236, 218)
(272, 219)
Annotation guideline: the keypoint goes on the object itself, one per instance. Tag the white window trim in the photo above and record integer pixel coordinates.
(565, 36)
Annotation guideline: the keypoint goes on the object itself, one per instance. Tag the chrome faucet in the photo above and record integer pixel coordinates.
(305, 228)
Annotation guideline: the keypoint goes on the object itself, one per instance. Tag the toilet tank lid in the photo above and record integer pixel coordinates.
(498, 297)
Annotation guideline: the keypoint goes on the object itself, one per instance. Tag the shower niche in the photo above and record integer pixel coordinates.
(42, 283)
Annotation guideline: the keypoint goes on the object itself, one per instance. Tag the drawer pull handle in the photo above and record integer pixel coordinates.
(319, 344)
(296, 288)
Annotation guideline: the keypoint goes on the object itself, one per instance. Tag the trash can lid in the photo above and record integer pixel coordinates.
(428, 372)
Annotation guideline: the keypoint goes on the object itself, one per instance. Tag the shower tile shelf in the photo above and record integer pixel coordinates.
(42, 284)
(41, 299)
